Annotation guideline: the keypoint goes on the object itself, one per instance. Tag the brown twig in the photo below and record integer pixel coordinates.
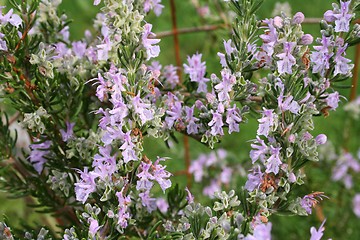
(175, 33)
(355, 74)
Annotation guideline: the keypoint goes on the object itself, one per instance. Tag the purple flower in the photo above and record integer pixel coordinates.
(171, 76)
(94, 226)
(3, 46)
(128, 152)
(197, 167)
(79, 48)
(343, 18)
(342, 66)
(192, 127)
(261, 232)
(197, 70)
(288, 105)
(317, 234)
(212, 189)
(147, 201)
(225, 86)
(123, 214)
(254, 179)
(104, 163)
(38, 155)
(97, 2)
(103, 49)
(162, 205)
(153, 4)
(309, 201)
(225, 175)
(161, 175)
(267, 121)
(298, 18)
(11, 18)
(332, 100)
(320, 57)
(287, 59)
(321, 139)
(86, 186)
(151, 49)
(189, 196)
(145, 177)
(233, 118)
(142, 109)
(68, 134)
(217, 123)
(329, 16)
(273, 162)
(356, 205)
(174, 114)
(258, 151)
(306, 39)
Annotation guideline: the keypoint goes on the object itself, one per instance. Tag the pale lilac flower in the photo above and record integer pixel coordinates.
(212, 189)
(104, 163)
(329, 16)
(192, 127)
(289, 104)
(298, 18)
(142, 109)
(321, 139)
(267, 121)
(278, 22)
(233, 118)
(306, 39)
(79, 48)
(3, 46)
(68, 134)
(273, 162)
(317, 234)
(343, 18)
(225, 86)
(97, 2)
(356, 205)
(189, 196)
(153, 5)
(152, 50)
(147, 201)
(128, 152)
(320, 58)
(145, 177)
(254, 179)
(197, 70)
(225, 175)
(103, 49)
(161, 175)
(332, 100)
(123, 214)
(197, 167)
(261, 232)
(258, 151)
(342, 64)
(86, 186)
(38, 155)
(229, 49)
(162, 205)
(217, 123)
(11, 18)
(309, 201)
(155, 66)
(287, 59)
(94, 226)
(171, 76)
(174, 114)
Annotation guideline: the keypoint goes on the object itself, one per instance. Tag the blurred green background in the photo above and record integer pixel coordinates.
(341, 222)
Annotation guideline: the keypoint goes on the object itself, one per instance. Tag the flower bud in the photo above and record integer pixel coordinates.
(329, 16)
(306, 39)
(298, 18)
(278, 22)
(321, 139)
